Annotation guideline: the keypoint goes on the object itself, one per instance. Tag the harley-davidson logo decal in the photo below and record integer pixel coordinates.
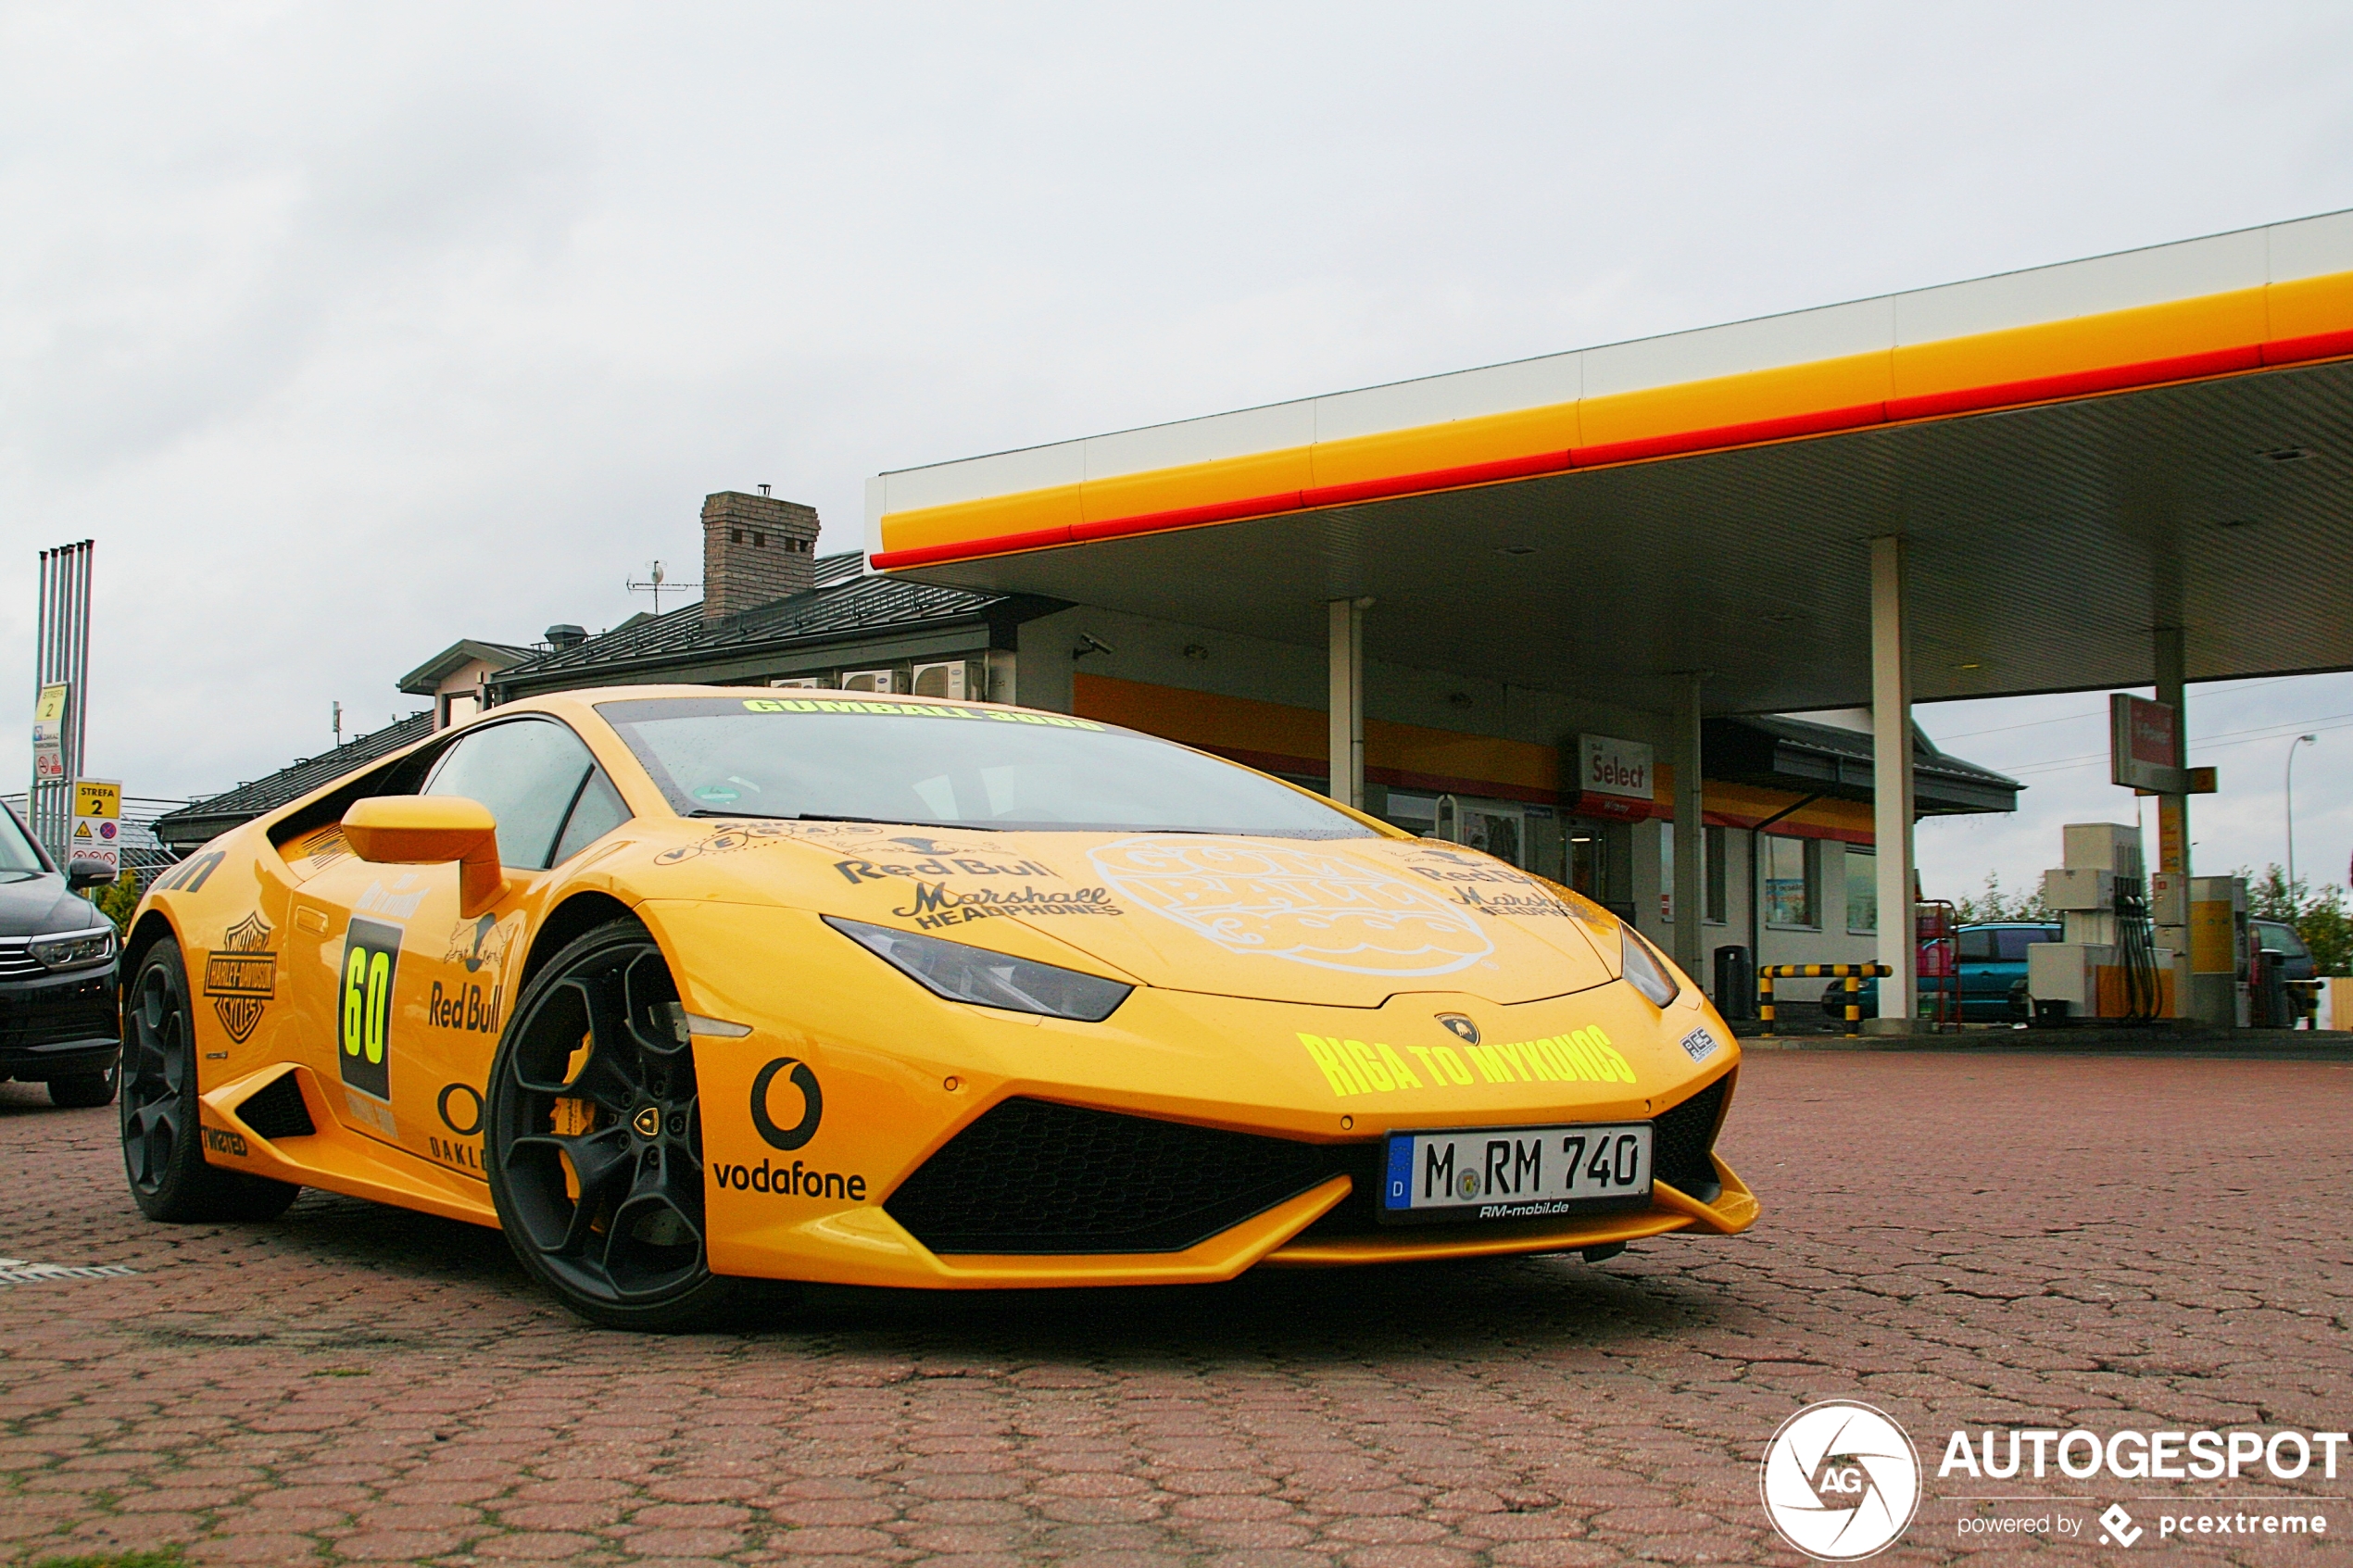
(241, 976)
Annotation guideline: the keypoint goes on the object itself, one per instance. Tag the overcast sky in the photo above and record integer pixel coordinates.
(350, 330)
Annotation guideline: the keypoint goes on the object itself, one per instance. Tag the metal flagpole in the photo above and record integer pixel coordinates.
(61, 657)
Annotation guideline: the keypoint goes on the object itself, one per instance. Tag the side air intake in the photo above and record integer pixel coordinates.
(275, 1111)
(1683, 1137)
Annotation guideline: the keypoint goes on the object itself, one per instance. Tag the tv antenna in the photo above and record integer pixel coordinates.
(656, 582)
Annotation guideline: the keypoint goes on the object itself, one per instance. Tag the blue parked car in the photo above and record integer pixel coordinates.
(1993, 968)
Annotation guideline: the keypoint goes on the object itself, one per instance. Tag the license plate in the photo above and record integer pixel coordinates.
(1515, 1172)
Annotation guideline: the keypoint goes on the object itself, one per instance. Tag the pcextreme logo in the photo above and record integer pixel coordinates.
(1841, 1480)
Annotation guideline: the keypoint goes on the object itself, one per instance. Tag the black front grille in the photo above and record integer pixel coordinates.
(54, 1015)
(1031, 1176)
(1679, 1154)
(276, 1111)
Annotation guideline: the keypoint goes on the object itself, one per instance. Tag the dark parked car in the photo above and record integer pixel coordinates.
(59, 974)
(1993, 966)
(2296, 958)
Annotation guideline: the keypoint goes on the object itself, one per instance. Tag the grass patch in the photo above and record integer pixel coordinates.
(163, 1557)
(341, 1372)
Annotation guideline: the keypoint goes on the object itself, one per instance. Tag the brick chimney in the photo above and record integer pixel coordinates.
(756, 549)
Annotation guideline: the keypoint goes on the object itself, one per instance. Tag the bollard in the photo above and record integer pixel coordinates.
(1854, 1002)
(1765, 998)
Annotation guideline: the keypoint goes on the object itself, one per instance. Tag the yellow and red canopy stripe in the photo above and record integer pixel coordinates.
(2232, 333)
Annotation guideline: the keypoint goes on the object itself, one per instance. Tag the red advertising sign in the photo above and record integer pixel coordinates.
(2142, 754)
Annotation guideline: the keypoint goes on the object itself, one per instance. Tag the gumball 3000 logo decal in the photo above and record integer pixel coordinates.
(1841, 1480)
(1303, 904)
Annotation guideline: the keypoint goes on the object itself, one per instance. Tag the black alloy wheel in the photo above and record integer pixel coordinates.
(594, 1139)
(77, 1090)
(162, 1150)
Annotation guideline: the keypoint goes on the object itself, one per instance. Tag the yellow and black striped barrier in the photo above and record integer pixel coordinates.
(1852, 974)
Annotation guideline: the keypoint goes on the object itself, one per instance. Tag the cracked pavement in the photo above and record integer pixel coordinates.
(1962, 1241)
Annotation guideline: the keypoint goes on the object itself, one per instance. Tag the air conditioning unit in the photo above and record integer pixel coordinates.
(957, 678)
(870, 680)
(804, 683)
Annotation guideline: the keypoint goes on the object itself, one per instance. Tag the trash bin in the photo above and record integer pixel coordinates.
(1735, 985)
(2273, 1009)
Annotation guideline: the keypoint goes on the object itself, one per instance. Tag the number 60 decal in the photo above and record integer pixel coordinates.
(370, 960)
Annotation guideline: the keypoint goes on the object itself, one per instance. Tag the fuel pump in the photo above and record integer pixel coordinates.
(2219, 973)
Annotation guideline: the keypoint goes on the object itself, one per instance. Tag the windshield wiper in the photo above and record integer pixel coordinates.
(896, 823)
(832, 817)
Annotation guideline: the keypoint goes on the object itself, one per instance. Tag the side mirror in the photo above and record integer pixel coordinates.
(84, 876)
(431, 830)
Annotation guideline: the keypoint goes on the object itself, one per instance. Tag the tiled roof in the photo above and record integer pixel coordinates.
(194, 823)
(1785, 752)
(421, 681)
(847, 601)
(1831, 738)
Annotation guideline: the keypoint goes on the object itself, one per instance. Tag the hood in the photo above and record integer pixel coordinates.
(1346, 923)
(36, 905)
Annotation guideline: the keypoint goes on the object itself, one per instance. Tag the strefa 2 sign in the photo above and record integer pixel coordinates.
(94, 847)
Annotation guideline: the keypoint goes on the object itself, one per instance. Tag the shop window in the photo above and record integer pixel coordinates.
(1714, 885)
(1792, 883)
(1862, 892)
(1495, 831)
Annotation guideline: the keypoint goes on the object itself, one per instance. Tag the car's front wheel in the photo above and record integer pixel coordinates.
(162, 1147)
(594, 1139)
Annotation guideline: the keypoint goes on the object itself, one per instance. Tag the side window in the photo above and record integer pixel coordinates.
(598, 812)
(1977, 947)
(2018, 939)
(528, 771)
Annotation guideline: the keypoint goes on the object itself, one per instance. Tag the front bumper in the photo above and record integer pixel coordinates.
(59, 1025)
(820, 1124)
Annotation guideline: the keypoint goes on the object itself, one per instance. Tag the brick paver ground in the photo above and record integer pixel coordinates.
(2032, 1241)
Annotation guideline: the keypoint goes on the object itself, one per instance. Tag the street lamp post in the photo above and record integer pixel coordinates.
(2288, 789)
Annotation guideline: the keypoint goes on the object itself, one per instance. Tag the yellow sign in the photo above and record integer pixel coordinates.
(97, 798)
(48, 734)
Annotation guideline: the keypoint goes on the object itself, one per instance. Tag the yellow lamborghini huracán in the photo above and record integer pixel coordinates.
(684, 987)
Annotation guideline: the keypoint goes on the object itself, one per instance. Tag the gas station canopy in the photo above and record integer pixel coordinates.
(2074, 457)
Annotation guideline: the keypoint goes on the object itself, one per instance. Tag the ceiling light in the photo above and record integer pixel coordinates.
(1969, 667)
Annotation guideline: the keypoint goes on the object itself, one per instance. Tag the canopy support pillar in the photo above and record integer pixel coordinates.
(1691, 834)
(1346, 752)
(1892, 787)
(2174, 811)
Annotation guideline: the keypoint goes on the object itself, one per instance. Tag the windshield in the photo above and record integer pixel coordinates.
(841, 758)
(18, 856)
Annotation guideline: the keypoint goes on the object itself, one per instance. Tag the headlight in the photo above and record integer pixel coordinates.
(991, 979)
(1643, 969)
(75, 949)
